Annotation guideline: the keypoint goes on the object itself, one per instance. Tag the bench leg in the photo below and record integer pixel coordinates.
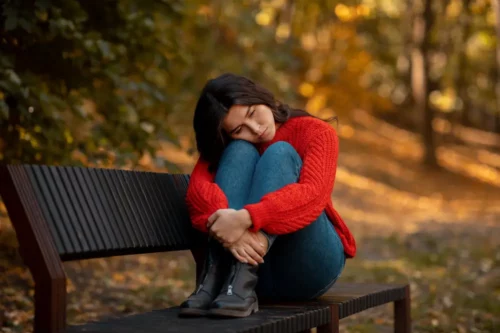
(333, 325)
(402, 314)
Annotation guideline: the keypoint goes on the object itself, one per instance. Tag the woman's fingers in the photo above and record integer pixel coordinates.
(257, 258)
(212, 218)
(247, 259)
(257, 247)
(238, 256)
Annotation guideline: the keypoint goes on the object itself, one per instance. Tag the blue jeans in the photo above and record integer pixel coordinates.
(298, 266)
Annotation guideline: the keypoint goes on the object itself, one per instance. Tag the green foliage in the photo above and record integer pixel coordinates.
(58, 54)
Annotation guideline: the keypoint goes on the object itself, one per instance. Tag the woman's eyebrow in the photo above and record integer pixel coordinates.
(246, 115)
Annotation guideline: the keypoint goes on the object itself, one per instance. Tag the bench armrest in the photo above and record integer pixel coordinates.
(37, 249)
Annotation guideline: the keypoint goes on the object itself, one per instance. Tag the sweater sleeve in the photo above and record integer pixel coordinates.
(296, 205)
(203, 196)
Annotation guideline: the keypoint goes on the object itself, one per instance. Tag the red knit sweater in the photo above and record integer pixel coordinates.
(294, 206)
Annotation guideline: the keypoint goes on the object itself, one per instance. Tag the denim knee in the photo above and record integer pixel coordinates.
(240, 149)
(282, 154)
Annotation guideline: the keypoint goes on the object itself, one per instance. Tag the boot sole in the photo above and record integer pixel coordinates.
(234, 313)
(192, 312)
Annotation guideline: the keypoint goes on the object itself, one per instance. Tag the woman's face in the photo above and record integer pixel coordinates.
(252, 123)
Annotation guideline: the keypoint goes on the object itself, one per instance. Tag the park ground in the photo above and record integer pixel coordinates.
(439, 231)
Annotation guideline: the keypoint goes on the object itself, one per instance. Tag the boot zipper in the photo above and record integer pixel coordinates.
(199, 288)
(201, 284)
(230, 286)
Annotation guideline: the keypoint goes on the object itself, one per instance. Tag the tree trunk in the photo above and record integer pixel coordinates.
(463, 34)
(422, 26)
(496, 8)
(404, 61)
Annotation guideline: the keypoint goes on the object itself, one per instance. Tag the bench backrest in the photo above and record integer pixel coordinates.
(94, 213)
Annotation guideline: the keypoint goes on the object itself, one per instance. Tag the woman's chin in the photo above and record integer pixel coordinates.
(267, 139)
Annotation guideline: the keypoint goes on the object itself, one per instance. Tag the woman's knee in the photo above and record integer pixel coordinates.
(240, 150)
(281, 154)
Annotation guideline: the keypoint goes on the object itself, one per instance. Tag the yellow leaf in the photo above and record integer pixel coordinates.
(345, 13)
(68, 136)
(316, 103)
(264, 17)
(283, 31)
(118, 277)
(306, 89)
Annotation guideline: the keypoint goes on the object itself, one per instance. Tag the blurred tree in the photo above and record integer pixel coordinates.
(462, 36)
(496, 10)
(424, 19)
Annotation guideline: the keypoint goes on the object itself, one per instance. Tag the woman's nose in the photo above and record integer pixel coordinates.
(255, 128)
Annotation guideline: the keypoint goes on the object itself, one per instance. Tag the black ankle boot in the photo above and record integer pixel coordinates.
(215, 270)
(237, 297)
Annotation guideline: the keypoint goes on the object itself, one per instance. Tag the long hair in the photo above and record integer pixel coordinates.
(217, 97)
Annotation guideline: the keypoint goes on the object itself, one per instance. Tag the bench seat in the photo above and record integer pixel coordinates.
(283, 319)
(342, 300)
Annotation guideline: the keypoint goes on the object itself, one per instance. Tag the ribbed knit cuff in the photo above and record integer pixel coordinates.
(260, 214)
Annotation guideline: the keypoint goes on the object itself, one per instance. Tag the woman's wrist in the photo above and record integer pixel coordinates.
(245, 218)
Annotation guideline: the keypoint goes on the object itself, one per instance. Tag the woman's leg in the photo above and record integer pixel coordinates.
(234, 176)
(303, 264)
(237, 297)
(235, 172)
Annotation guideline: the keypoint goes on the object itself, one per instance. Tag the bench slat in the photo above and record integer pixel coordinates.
(158, 203)
(79, 178)
(151, 218)
(176, 206)
(85, 180)
(44, 207)
(72, 242)
(124, 209)
(105, 207)
(143, 210)
(79, 206)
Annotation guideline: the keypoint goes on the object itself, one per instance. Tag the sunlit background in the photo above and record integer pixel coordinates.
(415, 85)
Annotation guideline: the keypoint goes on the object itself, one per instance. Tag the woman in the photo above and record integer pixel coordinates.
(261, 189)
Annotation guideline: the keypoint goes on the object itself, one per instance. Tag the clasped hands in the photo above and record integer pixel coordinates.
(230, 228)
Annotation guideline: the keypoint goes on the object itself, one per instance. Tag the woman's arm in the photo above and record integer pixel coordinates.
(203, 197)
(297, 205)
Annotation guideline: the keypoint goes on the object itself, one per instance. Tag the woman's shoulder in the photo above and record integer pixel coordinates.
(310, 125)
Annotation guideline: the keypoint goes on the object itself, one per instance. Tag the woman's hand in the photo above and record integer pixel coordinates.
(248, 249)
(228, 225)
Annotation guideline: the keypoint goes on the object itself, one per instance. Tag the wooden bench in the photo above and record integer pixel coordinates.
(73, 213)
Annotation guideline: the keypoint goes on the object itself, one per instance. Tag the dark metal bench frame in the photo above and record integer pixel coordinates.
(40, 254)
